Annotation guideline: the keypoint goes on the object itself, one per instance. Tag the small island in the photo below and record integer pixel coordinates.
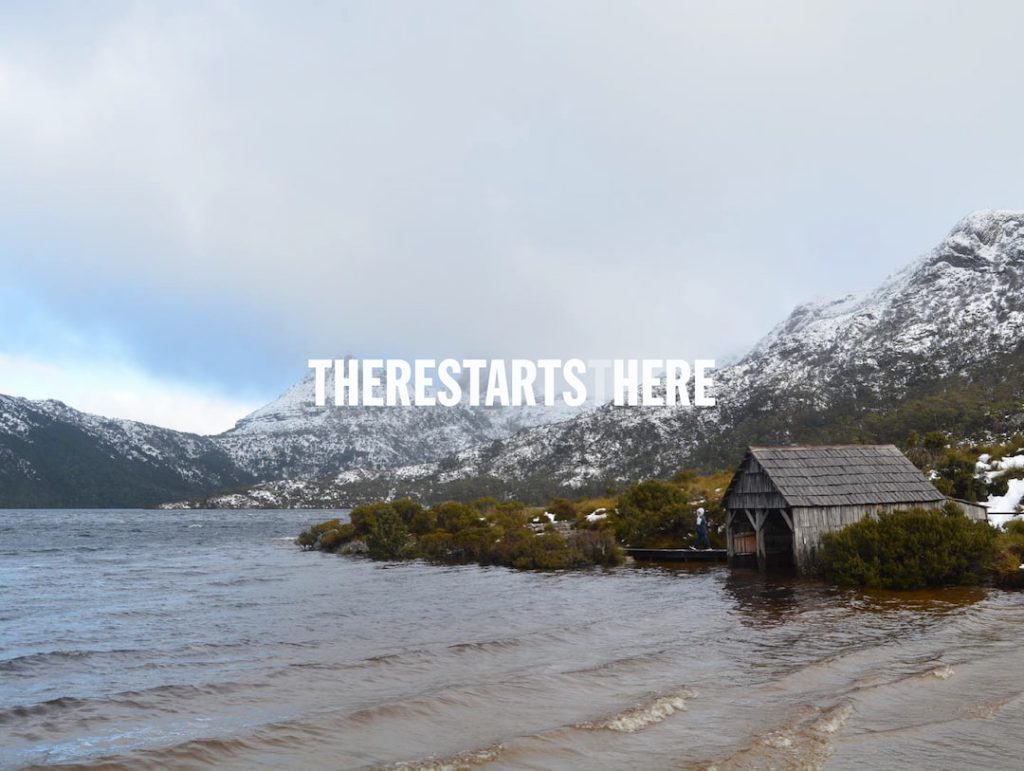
(563, 534)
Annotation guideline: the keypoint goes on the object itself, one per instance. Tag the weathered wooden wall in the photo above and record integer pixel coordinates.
(752, 489)
(973, 510)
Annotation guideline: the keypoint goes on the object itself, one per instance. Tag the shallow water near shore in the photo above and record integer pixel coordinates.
(155, 639)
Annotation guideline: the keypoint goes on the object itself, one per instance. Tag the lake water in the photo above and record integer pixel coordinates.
(156, 639)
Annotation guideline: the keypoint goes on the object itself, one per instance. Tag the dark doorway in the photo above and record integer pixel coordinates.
(778, 542)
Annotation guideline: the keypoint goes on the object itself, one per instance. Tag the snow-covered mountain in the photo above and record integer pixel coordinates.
(52, 455)
(292, 438)
(951, 321)
(958, 306)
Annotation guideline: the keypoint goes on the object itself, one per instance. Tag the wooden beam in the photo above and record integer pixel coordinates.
(753, 522)
(762, 553)
(789, 521)
(729, 550)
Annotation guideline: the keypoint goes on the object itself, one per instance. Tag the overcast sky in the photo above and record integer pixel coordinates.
(195, 199)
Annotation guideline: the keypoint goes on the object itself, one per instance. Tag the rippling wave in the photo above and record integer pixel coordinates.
(153, 639)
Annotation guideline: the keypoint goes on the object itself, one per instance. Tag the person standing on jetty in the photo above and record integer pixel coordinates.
(702, 530)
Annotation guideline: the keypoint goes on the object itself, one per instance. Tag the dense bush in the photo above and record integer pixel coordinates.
(492, 532)
(1010, 557)
(326, 536)
(363, 517)
(388, 536)
(563, 509)
(330, 540)
(909, 550)
(650, 508)
(596, 546)
(958, 476)
(484, 531)
(526, 550)
(469, 544)
(656, 513)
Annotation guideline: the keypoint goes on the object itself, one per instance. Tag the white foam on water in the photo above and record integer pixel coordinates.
(806, 743)
(833, 720)
(644, 715)
(463, 760)
(780, 741)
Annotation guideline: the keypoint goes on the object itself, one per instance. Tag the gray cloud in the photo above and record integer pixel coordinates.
(528, 179)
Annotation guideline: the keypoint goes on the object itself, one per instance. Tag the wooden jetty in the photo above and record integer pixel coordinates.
(678, 555)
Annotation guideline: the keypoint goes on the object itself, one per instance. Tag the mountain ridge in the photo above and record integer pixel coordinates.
(53, 455)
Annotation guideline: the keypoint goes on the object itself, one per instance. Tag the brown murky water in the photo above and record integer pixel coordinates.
(156, 639)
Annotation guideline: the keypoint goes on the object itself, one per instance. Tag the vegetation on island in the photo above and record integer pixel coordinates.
(562, 534)
(485, 531)
(1007, 567)
(921, 548)
(663, 513)
(909, 549)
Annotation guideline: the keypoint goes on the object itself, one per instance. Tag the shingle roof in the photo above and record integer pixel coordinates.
(845, 475)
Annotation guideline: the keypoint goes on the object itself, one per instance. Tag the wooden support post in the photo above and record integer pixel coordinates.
(789, 521)
(750, 516)
(762, 554)
(729, 551)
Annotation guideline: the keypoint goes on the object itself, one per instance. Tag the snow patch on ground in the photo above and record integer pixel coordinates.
(1007, 504)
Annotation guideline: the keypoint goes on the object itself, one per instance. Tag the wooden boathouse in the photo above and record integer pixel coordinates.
(782, 499)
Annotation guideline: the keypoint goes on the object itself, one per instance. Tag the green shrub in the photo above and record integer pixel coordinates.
(423, 522)
(564, 510)
(1010, 543)
(594, 547)
(453, 517)
(650, 508)
(935, 440)
(326, 536)
(543, 551)
(460, 533)
(486, 531)
(999, 486)
(958, 476)
(330, 540)
(909, 550)
(307, 539)
(362, 517)
(407, 509)
(388, 536)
